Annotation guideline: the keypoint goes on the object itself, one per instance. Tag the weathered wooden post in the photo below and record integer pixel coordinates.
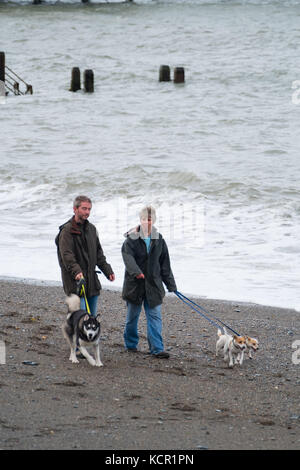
(28, 89)
(2, 79)
(17, 88)
(75, 79)
(164, 73)
(89, 81)
(179, 75)
(2, 67)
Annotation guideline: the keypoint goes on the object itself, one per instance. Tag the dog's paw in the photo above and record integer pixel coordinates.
(74, 360)
(99, 364)
(92, 362)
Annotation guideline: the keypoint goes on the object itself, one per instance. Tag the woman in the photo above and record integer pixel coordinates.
(147, 268)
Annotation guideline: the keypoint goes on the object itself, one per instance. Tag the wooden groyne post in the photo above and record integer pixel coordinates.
(179, 75)
(2, 67)
(89, 81)
(75, 79)
(164, 73)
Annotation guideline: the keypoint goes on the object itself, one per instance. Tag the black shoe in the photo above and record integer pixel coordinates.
(132, 350)
(162, 355)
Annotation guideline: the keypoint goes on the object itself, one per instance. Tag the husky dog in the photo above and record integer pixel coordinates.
(81, 330)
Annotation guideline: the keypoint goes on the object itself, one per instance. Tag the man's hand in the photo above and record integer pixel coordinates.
(112, 277)
(79, 276)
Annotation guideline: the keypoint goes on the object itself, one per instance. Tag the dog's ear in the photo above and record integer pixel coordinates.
(86, 317)
(98, 318)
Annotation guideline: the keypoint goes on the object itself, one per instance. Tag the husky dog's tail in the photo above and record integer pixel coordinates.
(73, 303)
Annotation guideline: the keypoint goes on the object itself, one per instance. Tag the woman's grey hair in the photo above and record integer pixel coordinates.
(79, 199)
(148, 212)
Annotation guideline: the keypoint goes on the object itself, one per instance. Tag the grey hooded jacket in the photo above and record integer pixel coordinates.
(155, 266)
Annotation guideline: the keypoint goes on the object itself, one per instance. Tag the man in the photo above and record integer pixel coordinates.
(147, 267)
(79, 252)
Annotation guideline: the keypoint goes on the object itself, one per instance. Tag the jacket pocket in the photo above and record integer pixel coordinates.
(133, 289)
(97, 282)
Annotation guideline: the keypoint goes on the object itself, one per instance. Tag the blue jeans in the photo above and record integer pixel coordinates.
(92, 301)
(154, 327)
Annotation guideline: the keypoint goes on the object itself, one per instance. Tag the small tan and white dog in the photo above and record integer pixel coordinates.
(232, 346)
(251, 346)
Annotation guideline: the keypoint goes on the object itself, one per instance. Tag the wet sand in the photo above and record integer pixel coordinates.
(192, 401)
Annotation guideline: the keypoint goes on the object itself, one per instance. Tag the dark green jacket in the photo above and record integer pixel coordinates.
(79, 250)
(155, 266)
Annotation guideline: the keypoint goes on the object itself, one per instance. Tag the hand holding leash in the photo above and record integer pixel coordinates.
(81, 292)
(80, 285)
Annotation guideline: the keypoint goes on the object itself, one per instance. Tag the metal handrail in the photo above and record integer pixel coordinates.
(14, 73)
(15, 84)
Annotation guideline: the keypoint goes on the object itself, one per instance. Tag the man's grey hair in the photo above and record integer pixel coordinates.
(79, 199)
(148, 212)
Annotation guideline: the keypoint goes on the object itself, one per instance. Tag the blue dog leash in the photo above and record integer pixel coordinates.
(189, 303)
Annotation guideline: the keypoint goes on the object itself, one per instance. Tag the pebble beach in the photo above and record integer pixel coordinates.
(191, 401)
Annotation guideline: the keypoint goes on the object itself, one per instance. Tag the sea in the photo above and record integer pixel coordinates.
(217, 156)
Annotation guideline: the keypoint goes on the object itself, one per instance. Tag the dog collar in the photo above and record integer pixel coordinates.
(236, 347)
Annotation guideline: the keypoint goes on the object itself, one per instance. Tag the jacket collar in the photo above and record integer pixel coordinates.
(76, 228)
(136, 232)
